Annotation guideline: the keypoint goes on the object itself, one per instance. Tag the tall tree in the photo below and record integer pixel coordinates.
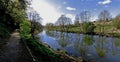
(77, 20)
(63, 21)
(116, 22)
(12, 14)
(85, 16)
(35, 20)
(104, 16)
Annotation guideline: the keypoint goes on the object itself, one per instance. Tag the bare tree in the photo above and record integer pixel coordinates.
(77, 20)
(69, 22)
(63, 21)
(35, 20)
(104, 16)
(49, 26)
(85, 17)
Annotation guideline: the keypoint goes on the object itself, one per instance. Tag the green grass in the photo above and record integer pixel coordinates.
(41, 52)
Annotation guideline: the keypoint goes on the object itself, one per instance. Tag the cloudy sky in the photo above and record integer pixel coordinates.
(50, 10)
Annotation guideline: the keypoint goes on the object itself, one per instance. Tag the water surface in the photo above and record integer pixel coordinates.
(91, 48)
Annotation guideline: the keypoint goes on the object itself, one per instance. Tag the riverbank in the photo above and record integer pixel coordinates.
(95, 33)
(43, 53)
(98, 28)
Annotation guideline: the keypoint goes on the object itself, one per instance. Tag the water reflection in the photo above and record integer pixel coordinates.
(99, 48)
(62, 37)
(117, 42)
(88, 40)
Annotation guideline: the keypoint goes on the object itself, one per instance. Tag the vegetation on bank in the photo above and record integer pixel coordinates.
(40, 51)
(13, 16)
(104, 25)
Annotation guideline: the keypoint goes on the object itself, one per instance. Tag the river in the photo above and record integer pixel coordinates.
(91, 48)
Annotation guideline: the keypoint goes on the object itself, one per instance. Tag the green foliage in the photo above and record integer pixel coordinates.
(3, 31)
(88, 27)
(25, 29)
(41, 50)
(36, 27)
(11, 15)
(88, 40)
(116, 22)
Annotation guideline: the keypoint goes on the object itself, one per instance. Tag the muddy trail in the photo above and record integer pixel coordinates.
(14, 50)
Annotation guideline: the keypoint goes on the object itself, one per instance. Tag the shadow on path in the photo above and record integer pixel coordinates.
(14, 50)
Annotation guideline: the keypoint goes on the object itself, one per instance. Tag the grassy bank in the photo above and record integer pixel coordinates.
(43, 53)
(95, 28)
(40, 52)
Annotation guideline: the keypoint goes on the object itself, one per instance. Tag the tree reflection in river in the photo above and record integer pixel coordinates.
(88, 46)
(63, 39)
(88, 40)
(117, 42)
(100, 47)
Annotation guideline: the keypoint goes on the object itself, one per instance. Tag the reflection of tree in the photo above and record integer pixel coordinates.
(83, 49)
(64, 39)
(117, 42)
(77, 41)
(79, 45)
(100, 47)
(83, 43)
(88, 40)
(50, 33)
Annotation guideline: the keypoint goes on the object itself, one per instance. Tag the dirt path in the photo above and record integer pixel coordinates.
(14, 50)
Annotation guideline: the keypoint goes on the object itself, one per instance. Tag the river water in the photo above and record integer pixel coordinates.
(91, 48)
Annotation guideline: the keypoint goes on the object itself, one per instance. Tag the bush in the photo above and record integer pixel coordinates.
(88, 27)
(25, 29)
(4, 32)
(116, 22)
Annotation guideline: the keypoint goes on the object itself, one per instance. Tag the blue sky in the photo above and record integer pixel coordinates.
(50, 10)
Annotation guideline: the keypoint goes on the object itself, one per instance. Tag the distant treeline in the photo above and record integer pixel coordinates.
(104, 25)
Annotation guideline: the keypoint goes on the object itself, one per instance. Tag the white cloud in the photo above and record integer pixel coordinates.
(46, 11)
(104, 2)
(71, 16)
(70, 8)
